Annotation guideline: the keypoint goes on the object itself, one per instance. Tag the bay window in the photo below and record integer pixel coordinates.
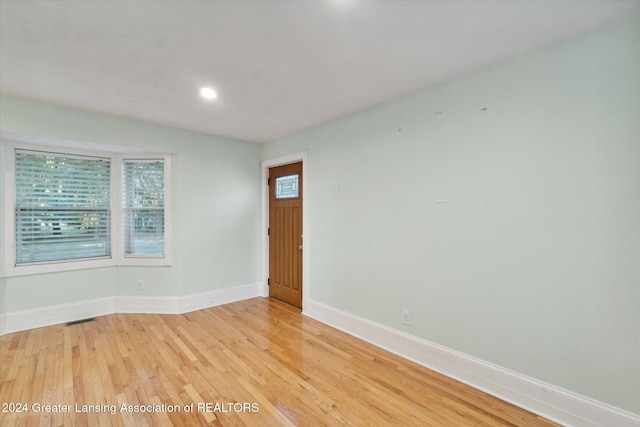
(67, 209)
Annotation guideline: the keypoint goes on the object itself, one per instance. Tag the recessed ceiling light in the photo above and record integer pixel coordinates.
(208, 93)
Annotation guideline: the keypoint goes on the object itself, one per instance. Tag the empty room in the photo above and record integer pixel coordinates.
(320, 213)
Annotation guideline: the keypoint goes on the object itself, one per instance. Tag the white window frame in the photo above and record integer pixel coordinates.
(118, 217)
(8, 267)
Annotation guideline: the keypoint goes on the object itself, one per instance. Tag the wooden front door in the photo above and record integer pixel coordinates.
(285, 233)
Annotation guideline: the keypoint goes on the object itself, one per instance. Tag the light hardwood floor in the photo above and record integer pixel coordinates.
(260, 361)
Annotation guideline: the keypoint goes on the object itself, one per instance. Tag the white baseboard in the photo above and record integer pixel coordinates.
(54, 314)
(3, 324)
(219, 296)
(546, 400)
(148, 304)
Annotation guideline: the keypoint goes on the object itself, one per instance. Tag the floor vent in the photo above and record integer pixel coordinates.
(75, 322)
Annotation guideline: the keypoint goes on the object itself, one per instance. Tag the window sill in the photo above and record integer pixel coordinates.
(56, 267)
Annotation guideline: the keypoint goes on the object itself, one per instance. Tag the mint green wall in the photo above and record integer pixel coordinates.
(533, 262)
(216, 211)
(28, 292)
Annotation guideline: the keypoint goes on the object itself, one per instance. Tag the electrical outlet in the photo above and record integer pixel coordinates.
(406, 317)
(140, 285)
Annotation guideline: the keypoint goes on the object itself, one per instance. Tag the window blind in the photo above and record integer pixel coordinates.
(144, 208)
(63, 207)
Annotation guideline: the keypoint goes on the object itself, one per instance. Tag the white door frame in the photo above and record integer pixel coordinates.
(265, 165)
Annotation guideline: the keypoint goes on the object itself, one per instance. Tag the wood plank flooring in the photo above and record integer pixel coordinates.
(257, 362)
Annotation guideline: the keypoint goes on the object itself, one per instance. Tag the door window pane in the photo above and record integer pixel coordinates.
(287, 187)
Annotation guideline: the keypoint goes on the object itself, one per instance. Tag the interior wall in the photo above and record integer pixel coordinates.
(216, 210)
(501, 208)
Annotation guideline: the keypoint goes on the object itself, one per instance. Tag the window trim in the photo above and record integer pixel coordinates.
(84, 183)
(128, 210)
(8, 267)
(116, 191)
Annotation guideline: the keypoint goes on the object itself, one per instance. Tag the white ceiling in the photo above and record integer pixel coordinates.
(278, 66)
